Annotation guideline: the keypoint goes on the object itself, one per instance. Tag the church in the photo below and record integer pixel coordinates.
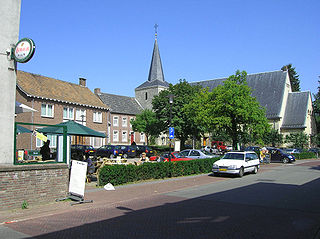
(57, 101)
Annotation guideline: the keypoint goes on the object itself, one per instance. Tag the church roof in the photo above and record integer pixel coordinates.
(156, 77)
(121, 104)
(296, 110)
(268, 88)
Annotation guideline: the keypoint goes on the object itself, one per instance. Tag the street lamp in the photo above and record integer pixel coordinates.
(171, 96)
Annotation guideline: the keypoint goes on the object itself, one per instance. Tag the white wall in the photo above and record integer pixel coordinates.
(9, 34)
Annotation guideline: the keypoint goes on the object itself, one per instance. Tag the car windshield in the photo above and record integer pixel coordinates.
(236, 156)
(177, 155)
(206, 152)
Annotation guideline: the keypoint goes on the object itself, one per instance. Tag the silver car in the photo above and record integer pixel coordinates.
(197, 154)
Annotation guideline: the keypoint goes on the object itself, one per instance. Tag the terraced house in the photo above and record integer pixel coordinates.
(58, 101)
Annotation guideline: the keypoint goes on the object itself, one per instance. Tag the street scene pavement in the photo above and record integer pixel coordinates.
(281, 201)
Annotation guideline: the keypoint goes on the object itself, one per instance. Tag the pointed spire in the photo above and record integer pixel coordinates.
(155, 72)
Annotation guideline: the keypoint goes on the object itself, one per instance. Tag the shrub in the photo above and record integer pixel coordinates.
(305, 155)
(121, 174)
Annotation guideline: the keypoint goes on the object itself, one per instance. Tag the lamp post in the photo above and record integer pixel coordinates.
(171, 96)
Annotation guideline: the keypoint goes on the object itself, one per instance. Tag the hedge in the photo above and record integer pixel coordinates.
(122, 174)
(305, 155)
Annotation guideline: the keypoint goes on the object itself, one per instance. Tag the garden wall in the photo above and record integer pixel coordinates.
(34, 184)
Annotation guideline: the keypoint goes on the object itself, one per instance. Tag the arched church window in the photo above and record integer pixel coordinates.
(146, 95)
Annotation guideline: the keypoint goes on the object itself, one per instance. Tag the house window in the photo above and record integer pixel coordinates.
(124, 136)
(81, 116)
(68, 113)
(115, 121)
(115, 136)
(142, 138)
(97, 142)
(97, 117)
(47, 110)
(53, 141)
(146, 95)
(124, 122)
(131, 118)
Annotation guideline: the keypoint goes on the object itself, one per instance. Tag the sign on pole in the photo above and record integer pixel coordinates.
(171, 132)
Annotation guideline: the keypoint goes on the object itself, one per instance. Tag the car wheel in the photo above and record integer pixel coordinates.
(285, 160)
(241, 172)
(255, 170)
(125, 156)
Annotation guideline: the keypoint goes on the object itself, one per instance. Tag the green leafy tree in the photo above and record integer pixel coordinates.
(184, 127)
(273, 137)
(298, 140)
(316, 108)
(294, 77)
(231, 108)
(146, 122)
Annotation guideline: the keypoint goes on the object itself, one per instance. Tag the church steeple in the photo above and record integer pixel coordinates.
(156, 72)
(155, 83)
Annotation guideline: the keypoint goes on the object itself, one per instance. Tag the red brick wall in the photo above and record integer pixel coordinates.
(24, 141)
(34, 184)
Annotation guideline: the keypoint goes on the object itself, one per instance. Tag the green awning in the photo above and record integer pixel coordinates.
(21, 129)
(73, 128)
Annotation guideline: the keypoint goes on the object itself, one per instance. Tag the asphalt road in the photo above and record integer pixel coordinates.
(282, 202)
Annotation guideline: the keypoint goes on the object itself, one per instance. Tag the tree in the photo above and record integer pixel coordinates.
(273, 137)
(184, 127)
(293, 76)
(146, 123)
(298, 140)
(231, 108)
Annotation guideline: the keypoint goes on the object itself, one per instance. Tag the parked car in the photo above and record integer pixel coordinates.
(210, 149)
(108, 151)
(252, 148)
(79, 150)
(196, 154)
(292, 151)
(143, 149)
(175, 156)
(314, 150)
(279, 155)
(237, 163)
(127, 151)
(220, 146)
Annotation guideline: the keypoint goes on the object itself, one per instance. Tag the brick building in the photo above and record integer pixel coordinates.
(58, 101)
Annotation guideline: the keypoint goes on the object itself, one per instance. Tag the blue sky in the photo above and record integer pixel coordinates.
(110, 43)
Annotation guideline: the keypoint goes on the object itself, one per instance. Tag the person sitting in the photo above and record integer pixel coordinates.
(143, 159)
(45, 151)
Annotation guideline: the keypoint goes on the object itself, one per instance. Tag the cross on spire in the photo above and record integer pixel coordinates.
(156, 29)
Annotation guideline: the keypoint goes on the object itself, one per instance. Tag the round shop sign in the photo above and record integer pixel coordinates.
(24, 50)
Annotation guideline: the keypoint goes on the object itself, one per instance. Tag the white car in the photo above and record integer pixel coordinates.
(196, 154)
(237, 163)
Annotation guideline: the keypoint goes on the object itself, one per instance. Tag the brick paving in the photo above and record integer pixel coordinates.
(144, 211)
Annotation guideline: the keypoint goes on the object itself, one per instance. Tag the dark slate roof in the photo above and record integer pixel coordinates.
(156, 72)
(296, 110)
(121, 104)
(156, 77)
(148, 84)
(267, 88)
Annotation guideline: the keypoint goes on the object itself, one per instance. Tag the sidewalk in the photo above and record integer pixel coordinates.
(102, 197)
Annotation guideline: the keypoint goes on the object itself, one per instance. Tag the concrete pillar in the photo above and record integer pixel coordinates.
(9, 35)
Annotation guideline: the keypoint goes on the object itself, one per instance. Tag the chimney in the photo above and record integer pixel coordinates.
(82, 82)
(97, 91)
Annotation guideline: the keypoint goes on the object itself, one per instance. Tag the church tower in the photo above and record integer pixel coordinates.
(155, 83)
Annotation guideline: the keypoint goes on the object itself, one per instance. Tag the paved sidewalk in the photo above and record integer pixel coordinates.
(101, 197)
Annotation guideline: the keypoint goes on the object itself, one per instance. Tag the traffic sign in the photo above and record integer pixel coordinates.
(171, 132)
